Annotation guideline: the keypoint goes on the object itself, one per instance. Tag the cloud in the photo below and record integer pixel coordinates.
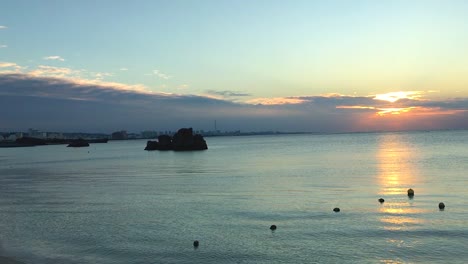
(160, 75)
(51, 71)
(3, 27)
(276, 101)
(227, 93)
(57, 58)
(3, 46)
(55, 98)
(7, 64)
(102, 75)
(123, 69)
(9, 67)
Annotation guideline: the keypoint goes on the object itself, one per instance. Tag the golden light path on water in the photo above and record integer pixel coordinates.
(396, 175)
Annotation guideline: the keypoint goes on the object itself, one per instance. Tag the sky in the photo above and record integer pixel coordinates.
(308, 66)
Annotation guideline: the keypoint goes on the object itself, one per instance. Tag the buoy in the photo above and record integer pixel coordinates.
(441, 206)
(336, 209)
(381, 200)
(410, 192)
(196, 243)
(273, 227)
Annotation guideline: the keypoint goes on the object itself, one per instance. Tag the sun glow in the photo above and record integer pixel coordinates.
(394, 111)
(395, 96)
(276, 101)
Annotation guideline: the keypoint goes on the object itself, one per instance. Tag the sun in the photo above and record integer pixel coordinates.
(395, 96)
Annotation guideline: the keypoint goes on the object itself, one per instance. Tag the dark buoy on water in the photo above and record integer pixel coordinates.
(273, 227)
(336, 209)
(410, 192)
(381, 200)
(441, 206)
(196, 243)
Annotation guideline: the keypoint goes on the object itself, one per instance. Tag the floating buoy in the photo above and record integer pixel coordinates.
(273, 227)
(410, 192)
(381, 200)
(441, 206)
(336, 209)
(196, 243)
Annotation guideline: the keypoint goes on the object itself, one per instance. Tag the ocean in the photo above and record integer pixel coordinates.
(116, 203)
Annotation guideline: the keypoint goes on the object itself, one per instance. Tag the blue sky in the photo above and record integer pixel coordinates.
(244, 52)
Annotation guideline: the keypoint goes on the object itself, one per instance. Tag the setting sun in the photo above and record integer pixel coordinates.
(395, 96)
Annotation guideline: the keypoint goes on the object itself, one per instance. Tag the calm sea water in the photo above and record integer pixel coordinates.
(116, 203)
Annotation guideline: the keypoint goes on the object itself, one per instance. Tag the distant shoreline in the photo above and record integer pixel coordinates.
(9, 144)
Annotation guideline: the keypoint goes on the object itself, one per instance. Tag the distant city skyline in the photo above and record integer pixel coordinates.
(301, 66)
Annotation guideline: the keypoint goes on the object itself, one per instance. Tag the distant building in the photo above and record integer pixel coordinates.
(10, 136)
(133, 136)
(54, 135)
(120, 135)
(149, 134)
(34, 133)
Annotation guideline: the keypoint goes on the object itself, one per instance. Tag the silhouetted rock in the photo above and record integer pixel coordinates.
(152, 145)
(381, 200)
(196, 243)
(78, 143)
(183, 140)
(273, 227)
(165, 142)
(336, 209)
(410, 192)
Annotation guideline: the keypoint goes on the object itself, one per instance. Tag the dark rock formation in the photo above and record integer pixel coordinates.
(381, 200)
(410, 192)
(336, 209)
(273, 227)
(165, 142)
(183, 140)
(78, 143)
(196, 243)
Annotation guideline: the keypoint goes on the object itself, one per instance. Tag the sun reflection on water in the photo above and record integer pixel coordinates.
(396, 174)
(394, 157)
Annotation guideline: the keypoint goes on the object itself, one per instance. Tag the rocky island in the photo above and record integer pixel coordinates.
(183, 140)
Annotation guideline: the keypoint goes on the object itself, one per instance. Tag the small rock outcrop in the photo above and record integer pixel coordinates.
(410, 192)
(381, 200)
(336, 209)
(183, 140)
(78, 143)
(273, 227)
